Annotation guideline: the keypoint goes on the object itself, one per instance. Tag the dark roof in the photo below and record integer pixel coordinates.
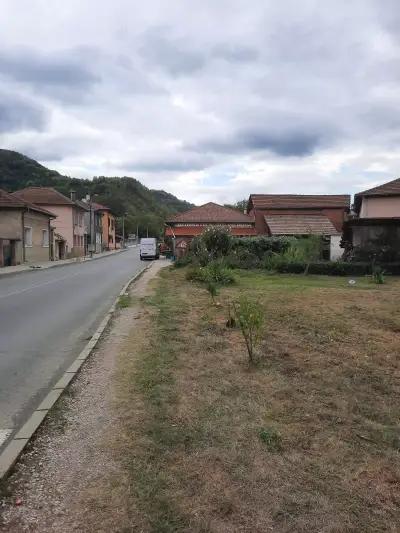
(391, 188)
(300, 225)
(100, 207)
(299, 201)
(82, 204)
(43, 196)
(212, 213)
(9, 200)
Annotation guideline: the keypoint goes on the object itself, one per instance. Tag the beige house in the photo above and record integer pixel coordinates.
(70, 221)
(380, 202)
(25, 231)
(375, 228)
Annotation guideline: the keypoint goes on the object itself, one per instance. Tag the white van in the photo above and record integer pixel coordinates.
(149, 249)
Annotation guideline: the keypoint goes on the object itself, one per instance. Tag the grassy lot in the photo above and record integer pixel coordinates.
(307, 440)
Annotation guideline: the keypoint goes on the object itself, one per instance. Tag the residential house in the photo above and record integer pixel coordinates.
(301, 215)
(375, 225)
(187, 225)
(93, 226)
(25, 231)
(69, 223)
(108, 224)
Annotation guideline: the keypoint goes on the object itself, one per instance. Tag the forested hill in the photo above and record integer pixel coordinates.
(144, 207)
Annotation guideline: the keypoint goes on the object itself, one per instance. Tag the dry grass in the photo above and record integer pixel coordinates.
(308, 440)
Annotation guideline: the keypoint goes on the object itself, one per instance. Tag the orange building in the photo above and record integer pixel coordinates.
(108, 223)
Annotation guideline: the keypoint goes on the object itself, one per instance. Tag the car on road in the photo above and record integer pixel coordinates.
(149, 249)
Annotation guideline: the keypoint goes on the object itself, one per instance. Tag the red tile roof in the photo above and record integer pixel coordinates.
(11, 201)
(391, 188)
(299, 201)
(212, 214)
(300, 225)
(43, 196)
(192, 231)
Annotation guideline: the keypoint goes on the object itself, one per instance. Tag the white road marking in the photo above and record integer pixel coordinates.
(4, 434)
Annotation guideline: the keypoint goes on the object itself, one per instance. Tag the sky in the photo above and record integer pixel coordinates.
(210, 100)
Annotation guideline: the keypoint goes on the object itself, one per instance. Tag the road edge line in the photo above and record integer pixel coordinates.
(11, 453)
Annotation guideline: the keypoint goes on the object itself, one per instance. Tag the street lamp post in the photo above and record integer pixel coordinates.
(91, 226)
(123, 229)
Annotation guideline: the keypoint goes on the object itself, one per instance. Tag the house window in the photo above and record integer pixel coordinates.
(28, 236)
(45, 238)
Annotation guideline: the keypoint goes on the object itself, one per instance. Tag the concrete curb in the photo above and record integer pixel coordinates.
(11, 453)
(58, 264)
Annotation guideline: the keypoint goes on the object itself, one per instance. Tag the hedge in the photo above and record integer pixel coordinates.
(336, 268)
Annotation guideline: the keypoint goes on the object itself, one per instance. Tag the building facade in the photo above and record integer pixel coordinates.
(69, 224)
(25, 232)
(374, 230)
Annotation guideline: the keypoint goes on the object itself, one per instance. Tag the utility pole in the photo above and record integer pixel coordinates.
(123, 231)
(91, 226)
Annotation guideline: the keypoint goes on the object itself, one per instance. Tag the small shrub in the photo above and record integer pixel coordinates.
(212, 289)
(378, 275)
(272, 439)
(215, 272)
(183, 261)
(250, 317)
(231, 322)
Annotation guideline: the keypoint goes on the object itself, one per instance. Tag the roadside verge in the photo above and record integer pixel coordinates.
(14, 448)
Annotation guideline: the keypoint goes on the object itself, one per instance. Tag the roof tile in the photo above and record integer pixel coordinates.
(43, 196)
(212, 213)
(299, 201)
(300, 225)
(391, 188)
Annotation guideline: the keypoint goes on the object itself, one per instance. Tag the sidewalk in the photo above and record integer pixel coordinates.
(72, 477)
(6, 271)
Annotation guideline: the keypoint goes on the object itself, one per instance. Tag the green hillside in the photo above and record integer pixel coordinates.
(144, 208)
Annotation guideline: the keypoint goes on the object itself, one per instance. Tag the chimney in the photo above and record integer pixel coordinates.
(73, 196)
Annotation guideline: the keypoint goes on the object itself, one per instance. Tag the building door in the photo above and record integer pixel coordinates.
(9, 251)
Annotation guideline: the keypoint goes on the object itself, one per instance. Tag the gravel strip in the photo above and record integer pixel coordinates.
(68, 479)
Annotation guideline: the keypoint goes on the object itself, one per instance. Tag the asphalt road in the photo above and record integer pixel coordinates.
(46, 318)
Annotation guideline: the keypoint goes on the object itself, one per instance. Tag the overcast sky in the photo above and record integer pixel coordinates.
(209, 100)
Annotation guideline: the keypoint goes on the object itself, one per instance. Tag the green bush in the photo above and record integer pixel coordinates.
(183, 261)
(259, 246)
(217, 241)
(329, 268)
(214, 272)
(242, 258)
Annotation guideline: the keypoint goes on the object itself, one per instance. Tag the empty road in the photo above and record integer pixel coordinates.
(46, 318)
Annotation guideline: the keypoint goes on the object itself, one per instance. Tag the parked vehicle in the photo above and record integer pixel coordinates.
(149, 249)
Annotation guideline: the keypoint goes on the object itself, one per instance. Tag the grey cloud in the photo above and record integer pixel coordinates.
(17, 114)
(55, 148)
(178, 163)
(65, 75)
(286, 143)
(235, 53)
(171, 54)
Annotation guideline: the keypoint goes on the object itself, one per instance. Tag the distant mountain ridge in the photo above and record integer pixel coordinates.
(144, 207)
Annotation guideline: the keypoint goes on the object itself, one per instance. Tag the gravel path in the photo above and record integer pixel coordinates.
(68, 480)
